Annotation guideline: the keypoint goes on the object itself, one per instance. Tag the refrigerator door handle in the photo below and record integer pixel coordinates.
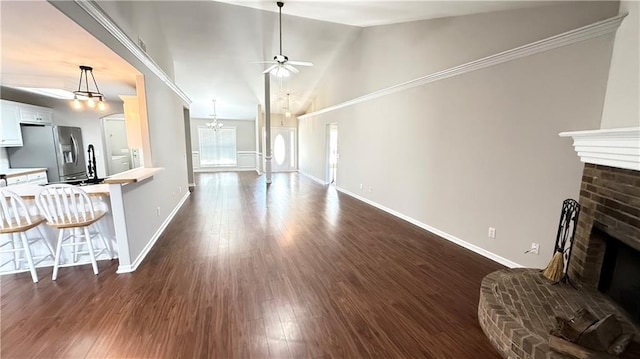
(75, 150)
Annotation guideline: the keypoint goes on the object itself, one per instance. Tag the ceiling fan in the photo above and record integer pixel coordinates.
(281, 66)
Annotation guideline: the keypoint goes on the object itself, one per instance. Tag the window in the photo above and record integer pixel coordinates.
(217, 147)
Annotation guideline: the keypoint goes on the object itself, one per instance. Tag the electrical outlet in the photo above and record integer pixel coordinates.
(179, 189)
(158, 211)
(492, 233)
(370, 189)
(535, 248)
(361, 186)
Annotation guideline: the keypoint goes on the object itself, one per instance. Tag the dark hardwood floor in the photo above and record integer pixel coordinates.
(297, 270)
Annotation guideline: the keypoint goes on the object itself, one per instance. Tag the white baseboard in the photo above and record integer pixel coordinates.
(222, 169)
(316, 179)
(481, 251)
(133, 266)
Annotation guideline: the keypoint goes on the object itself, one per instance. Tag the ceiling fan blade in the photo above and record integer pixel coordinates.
(269, 69)
(263, 62)
(291, 68)
(301, 63)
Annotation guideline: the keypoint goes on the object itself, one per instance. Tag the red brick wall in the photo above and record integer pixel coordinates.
(610, 201)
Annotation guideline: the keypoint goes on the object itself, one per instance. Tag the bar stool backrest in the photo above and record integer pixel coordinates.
(65, 204)
(13, 210)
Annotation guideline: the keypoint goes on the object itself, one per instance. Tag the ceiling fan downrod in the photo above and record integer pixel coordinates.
(280, 5)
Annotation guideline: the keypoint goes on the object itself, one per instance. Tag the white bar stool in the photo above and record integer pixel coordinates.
(69, 209)
(15, 221)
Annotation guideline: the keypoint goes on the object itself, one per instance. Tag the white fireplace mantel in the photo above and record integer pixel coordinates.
(618, 147)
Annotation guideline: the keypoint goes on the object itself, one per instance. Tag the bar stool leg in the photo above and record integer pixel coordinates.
(56, 261)
(92, 254)
(46, 242)
(105, 240)
(27, 253)
(16, 257)
(76, 244)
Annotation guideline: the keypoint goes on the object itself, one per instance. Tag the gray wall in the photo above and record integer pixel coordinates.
(165, 119)
(138, 20)
(476, 150)
(245, 133)
(245, 142)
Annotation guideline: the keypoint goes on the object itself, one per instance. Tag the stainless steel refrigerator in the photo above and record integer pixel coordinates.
(59, 149)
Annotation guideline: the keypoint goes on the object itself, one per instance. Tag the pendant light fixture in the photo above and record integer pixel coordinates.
(85, 94)
(287, 110)
(214, 124)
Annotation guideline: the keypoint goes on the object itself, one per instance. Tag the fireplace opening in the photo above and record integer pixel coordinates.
(620, 274)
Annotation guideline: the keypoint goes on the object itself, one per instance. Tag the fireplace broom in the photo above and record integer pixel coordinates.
(555, 270)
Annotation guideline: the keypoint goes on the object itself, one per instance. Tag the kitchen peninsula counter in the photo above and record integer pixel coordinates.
(30, 191)
(132, 176)
(11, 172)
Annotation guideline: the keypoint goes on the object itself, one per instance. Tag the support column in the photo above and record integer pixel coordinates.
(267, 126)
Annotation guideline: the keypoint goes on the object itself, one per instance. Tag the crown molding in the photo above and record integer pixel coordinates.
(94, 10)
(618, 147)
(591, 31)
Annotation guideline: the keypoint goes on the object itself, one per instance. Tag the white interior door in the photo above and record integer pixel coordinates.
(283, 144)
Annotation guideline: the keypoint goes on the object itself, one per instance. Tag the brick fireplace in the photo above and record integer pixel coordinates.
(610, 200)
(518, 307)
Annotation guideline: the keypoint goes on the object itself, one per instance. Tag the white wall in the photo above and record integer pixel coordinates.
(4, 158)
(477, 150)
(65, 115)
(621, 107)
(118, 132)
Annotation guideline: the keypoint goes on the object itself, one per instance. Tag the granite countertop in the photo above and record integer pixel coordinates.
(11, 172)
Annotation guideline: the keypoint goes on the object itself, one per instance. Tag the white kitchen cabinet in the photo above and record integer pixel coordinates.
(14, 180)
(37, 178)
(35, 114)
(10, 135)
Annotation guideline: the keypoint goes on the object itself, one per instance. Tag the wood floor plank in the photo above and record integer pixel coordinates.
(245, 270)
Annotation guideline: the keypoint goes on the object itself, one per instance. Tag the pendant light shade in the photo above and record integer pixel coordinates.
(85, 93)
(287, 110)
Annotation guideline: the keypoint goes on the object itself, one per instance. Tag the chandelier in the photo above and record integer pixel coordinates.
(85, 94)
(214, 124)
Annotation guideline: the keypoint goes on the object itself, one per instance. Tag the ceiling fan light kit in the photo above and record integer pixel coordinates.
(92, 98)
(281, 66)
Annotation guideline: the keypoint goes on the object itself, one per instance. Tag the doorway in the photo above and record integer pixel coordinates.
(117, 152)
(283, 140)
(332, 153)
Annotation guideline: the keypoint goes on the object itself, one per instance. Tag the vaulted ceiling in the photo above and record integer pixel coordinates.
(213, 45)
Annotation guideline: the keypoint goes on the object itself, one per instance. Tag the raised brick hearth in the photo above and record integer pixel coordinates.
(610, 200)
(517, 310)
(518, 306)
